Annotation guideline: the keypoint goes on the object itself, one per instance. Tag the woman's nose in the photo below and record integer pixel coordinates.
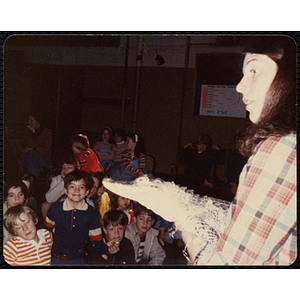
(241, 86)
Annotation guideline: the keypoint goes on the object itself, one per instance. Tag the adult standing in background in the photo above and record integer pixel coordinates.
(37, 144)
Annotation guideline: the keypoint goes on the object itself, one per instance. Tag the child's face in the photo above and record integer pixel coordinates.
(76, 191)
(130, 145)
(201, 147)
(123, 203)
(143, 223)
(101, 190)
(25, 228)
(114, 232)
(66, 169)
(75, 150)
(105, 135)
(95, 187)
(15, 196)
(117, 138)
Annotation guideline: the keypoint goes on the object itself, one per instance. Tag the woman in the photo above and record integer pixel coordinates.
(261, 223)
(37, 150)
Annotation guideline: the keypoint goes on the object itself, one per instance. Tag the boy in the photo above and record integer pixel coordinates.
(15, 193)
(29, 246)
(56, 190)
(74, 222)
(88, 158)
(144, 238)
(114, 226)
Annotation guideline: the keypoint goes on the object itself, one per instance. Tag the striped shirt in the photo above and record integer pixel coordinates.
(262, 223)
(19, 252)
(127, 159)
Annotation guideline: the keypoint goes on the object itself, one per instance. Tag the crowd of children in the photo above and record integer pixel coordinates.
(82, 223)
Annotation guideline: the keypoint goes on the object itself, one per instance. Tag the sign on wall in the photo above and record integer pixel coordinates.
(221, 101)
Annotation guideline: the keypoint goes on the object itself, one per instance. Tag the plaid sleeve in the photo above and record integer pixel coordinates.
(262, 226)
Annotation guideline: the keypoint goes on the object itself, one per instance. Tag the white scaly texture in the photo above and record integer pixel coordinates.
(202, 216)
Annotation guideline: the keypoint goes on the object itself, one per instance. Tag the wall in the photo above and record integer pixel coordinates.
(57, 77)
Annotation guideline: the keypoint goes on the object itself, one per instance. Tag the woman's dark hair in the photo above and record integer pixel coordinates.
(278, 116)
(140, 146)
(14, 185)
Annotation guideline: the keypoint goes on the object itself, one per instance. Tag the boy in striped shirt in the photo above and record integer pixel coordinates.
(29, 246)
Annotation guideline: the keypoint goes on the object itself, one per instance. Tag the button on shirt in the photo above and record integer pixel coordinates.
(73, 227)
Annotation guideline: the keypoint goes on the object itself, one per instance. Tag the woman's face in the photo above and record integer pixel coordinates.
(33, 123)
(259, 71)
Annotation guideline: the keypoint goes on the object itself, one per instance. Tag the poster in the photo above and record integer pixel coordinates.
(221, 101)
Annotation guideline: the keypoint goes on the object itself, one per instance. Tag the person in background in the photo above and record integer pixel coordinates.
(37, 145)
(262, 219)
(133, 159)
(118, 147)
(28, 180)
(104, 148)
(56, 190)
(88, 158)
(124, 204)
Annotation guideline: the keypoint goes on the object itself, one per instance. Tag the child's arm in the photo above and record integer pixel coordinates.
(56, 189)
(157, 253)
(10, 252)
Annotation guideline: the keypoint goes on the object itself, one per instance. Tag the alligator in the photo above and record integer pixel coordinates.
(202, 216)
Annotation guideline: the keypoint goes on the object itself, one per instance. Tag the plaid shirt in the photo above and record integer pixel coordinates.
(262, 224)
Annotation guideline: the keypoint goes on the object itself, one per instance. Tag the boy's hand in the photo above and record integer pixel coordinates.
(113, 246)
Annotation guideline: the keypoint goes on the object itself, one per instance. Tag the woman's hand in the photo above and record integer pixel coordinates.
(192, 242)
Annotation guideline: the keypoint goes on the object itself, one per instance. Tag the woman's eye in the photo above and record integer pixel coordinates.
(253, 71)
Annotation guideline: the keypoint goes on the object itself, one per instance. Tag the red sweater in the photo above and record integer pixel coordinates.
(89, 161)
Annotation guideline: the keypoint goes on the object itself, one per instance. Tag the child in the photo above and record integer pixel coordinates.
(74, 222)
(144, 238)
(123, 204)
(114, 226)
(97, 184)
(118, 147)
(103, 148)
(88, 158)
(56, 190)
(28, 180)
(133, 159)
(29, 246)
(15, 193)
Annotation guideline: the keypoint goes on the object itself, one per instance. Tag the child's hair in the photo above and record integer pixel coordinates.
(80, 141)
(138, 139)
(14, 185)
(114, 201)
(98, 175)
(120, 132)
(78, 175)
(13, 214)
(139, 209)
(203, 139)
(110, 140)
(115, 218)
(28, 177)
(73, 160)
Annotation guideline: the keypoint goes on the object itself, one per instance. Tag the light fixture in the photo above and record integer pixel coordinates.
(159, 60)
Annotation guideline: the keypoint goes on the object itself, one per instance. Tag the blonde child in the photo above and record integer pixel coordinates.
(29, 246)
